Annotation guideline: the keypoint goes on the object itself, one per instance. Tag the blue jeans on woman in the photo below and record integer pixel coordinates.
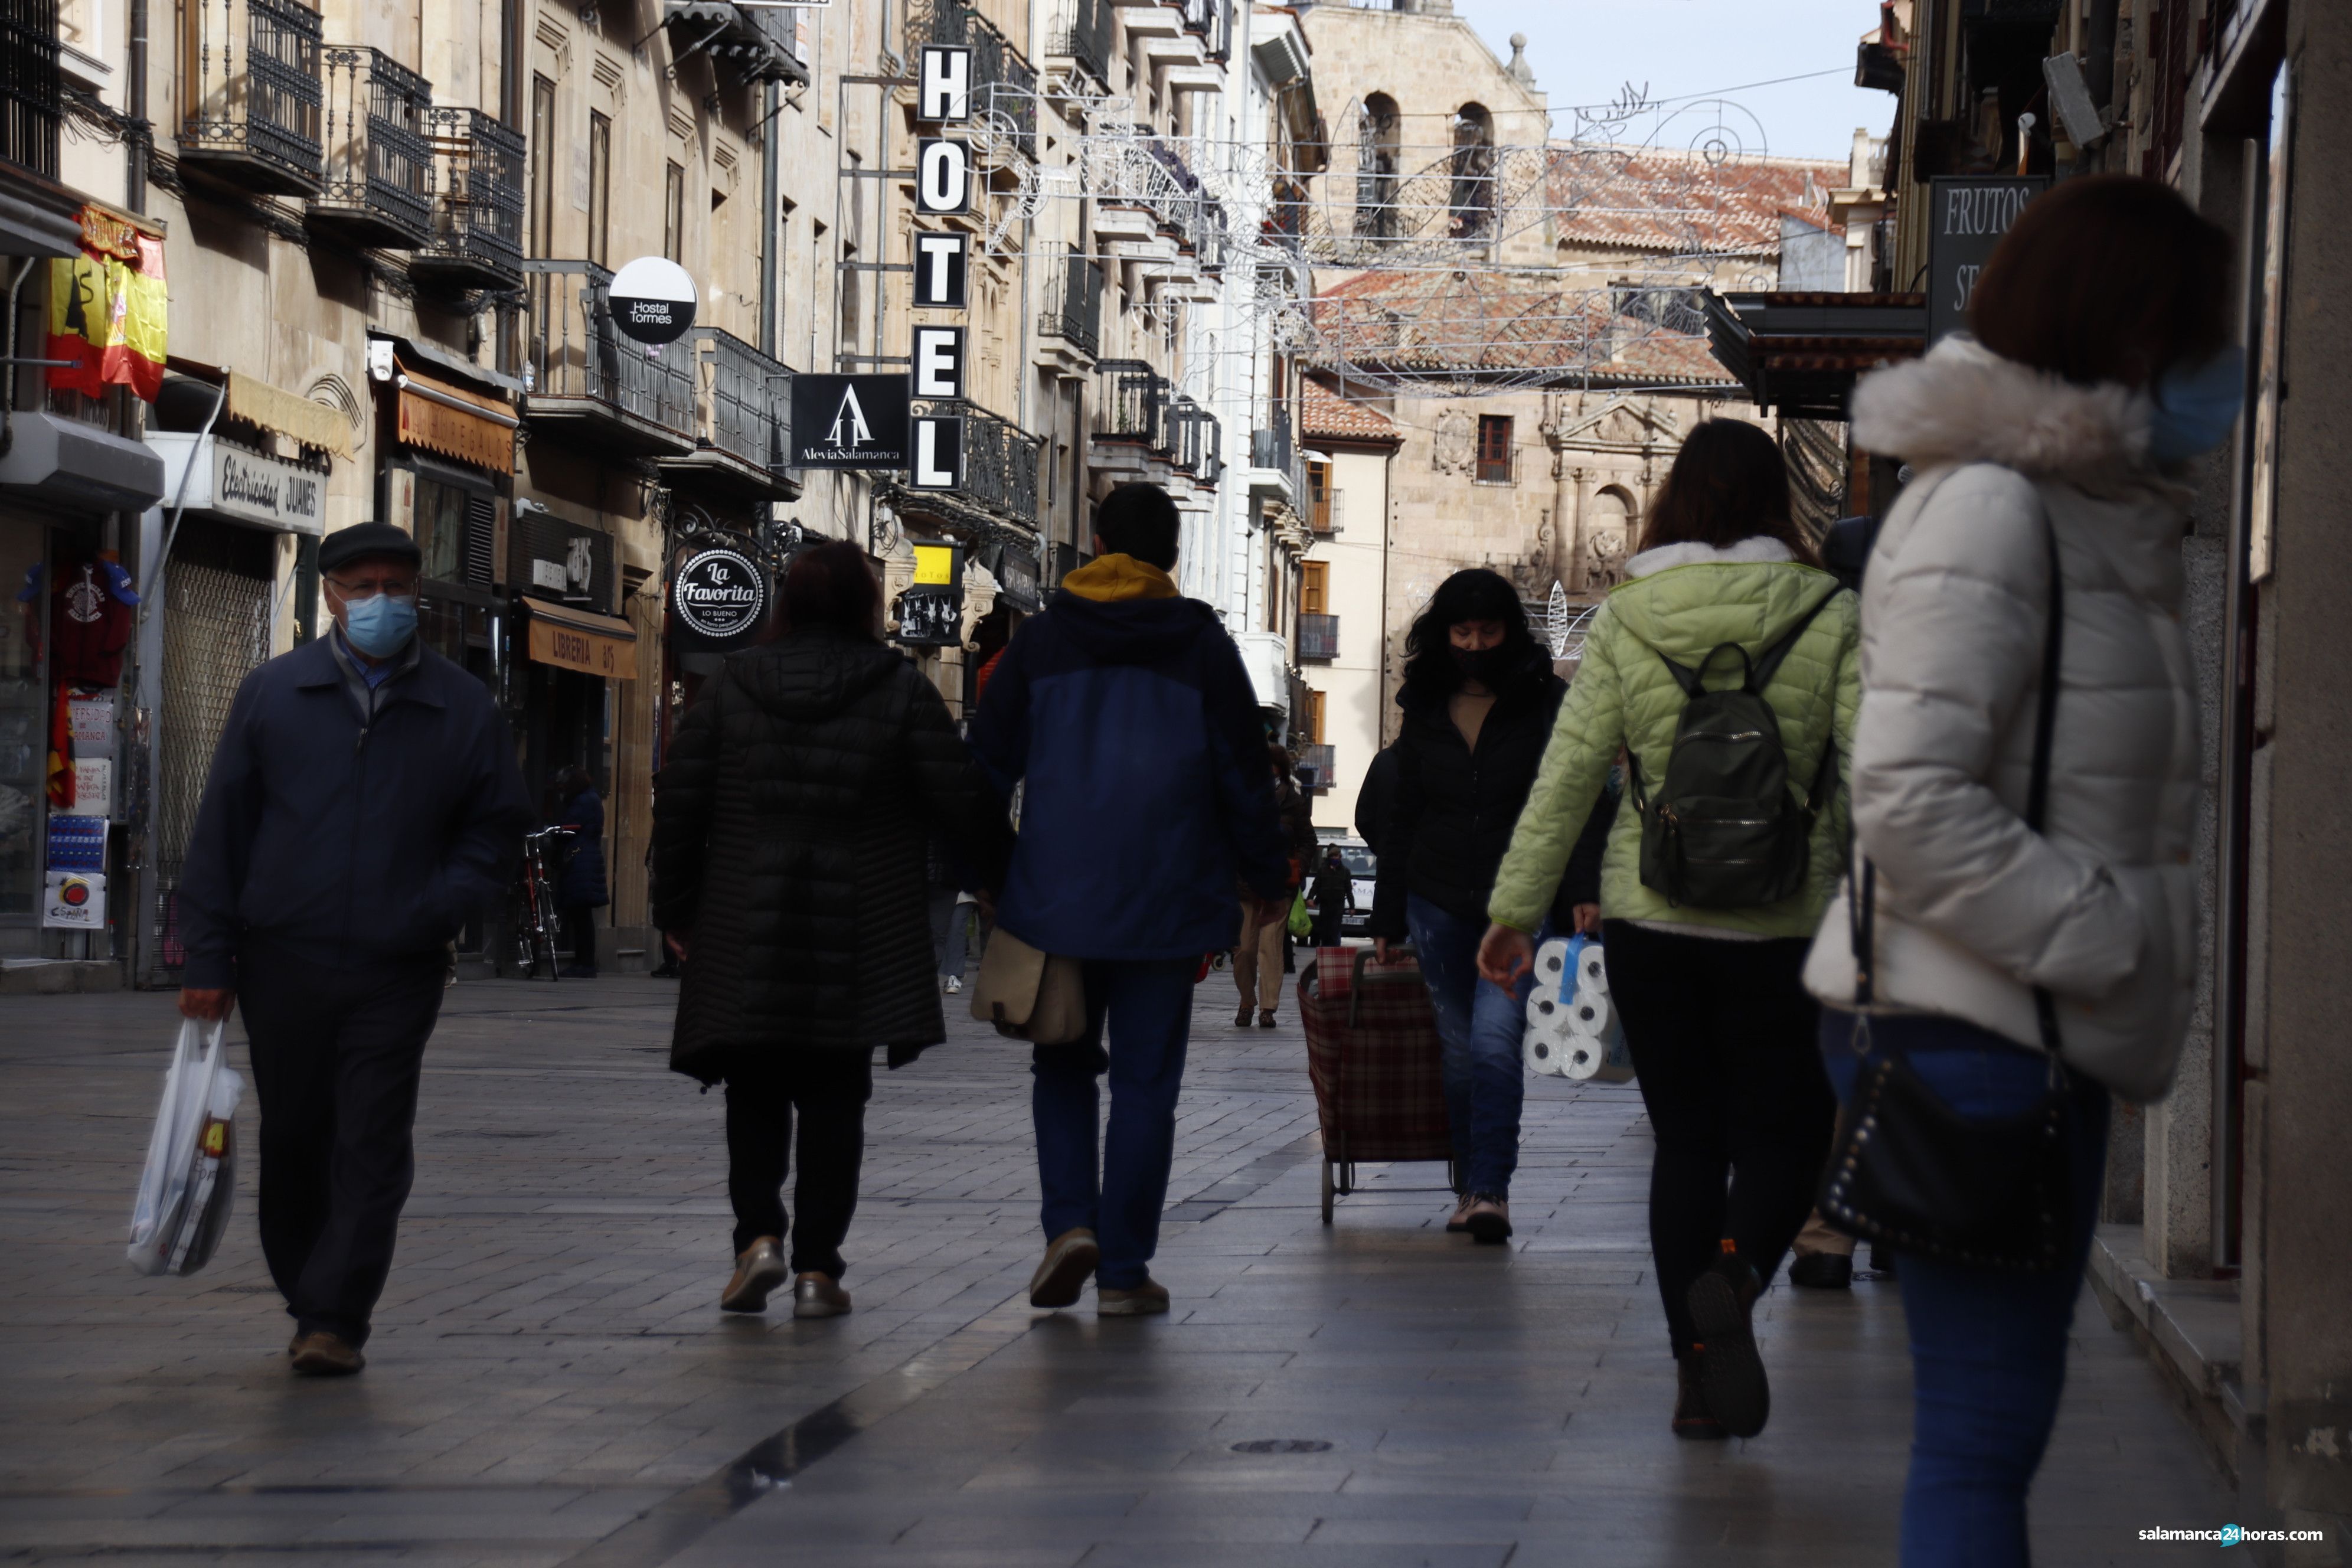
(1481, 1028)
(1988, 1347)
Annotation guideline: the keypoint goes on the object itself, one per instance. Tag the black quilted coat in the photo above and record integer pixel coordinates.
(790, 822)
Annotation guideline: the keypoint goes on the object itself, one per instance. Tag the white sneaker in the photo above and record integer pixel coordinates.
(955, 985)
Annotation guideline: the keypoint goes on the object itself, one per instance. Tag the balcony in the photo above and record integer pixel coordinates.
(1196, 441)
(755, 44)
(1323, 508)
(1130, 404)
(477, 183)
(1277, 469)
(1081, 33)
(584, 381)
(1317, 767)
(1000, 470)
(252, 104)
(29, 102)
(1319, 639)
(1074, 294)
(1004, 83)
(378, 163)
(742, 437)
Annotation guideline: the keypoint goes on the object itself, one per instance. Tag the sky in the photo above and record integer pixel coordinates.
(1584, 52)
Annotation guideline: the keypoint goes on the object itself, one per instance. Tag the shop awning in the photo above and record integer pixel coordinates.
(442, 416)
(288, 414)
(571, 639)
(1798, 354)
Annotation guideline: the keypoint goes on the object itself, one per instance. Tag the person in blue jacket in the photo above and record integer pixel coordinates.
(363, 799)
(1124, 712)
(579, 892)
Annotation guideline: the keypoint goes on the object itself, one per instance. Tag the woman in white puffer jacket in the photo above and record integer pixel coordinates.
(2098, 366)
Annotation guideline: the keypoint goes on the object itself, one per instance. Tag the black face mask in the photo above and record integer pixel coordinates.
(1486, 666)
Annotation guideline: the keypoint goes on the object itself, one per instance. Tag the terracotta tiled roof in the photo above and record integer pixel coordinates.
(1517, 326)
(1653, 199)
(1323, 412)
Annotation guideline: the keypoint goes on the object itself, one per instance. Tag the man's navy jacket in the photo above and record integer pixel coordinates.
(346, 841)
(1147, 797)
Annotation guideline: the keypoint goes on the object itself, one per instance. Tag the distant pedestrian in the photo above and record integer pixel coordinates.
(791, 822)
(1260, 957)
(363, 801)
(1373, 797)
(581, 891)
(2100, 365)
(1334, 891)
(1724, 666)
(1479, 699)
(1124, 713)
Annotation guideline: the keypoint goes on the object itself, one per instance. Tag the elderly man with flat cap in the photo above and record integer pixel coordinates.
(362, 800)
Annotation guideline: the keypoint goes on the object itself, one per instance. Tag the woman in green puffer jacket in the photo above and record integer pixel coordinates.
(1721, 1028)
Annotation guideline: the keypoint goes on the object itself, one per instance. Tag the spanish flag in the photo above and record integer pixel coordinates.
(110, 316)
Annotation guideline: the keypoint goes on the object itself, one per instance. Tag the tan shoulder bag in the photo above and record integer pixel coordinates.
(1028, 994)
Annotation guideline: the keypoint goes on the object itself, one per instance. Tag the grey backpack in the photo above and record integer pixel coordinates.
(1723, 830)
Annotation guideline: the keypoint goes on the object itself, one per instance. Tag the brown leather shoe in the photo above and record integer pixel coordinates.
(1145, 1300)
(1266, 1018)
(759, 1268)
(322, 1354)
(1242, 1018)
(818, 1296)
(1069, 1258)
(1488, 1218)
(1459, 1224)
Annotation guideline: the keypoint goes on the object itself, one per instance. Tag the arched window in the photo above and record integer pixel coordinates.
(1376, 168)
(1473, 202)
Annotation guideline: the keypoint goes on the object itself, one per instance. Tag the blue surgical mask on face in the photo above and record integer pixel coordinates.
(380, 624)
(2195, 406)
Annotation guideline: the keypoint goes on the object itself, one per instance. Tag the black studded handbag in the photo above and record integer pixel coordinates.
(1908, 1171)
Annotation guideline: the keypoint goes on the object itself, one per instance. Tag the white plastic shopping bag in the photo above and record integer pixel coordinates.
(191, 1174)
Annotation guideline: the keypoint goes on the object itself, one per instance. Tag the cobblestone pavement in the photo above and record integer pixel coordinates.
(551, 1383)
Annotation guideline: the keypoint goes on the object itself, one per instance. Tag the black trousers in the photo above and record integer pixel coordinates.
(1327, 927)
(579, 931)
(336, 1056)
(1725, 1040)
(829, 1089)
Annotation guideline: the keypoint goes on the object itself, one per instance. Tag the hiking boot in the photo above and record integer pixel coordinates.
(322, 1354)
(759, 1268)
(1822, 1271)
(1459, 1224)
(1266, 1018)
(1723, 1342)
(818, 1296)
(1069, 1258)
(1488, 1217)
(1692, 1417)
(1143, 1301)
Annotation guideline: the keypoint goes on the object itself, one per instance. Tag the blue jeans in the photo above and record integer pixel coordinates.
(1139, 1020)
(1988, 1347)
(1481, 1028)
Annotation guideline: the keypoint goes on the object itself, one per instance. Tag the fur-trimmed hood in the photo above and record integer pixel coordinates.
(1964, 404)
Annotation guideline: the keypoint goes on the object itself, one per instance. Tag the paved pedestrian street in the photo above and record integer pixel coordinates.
(551, 1382)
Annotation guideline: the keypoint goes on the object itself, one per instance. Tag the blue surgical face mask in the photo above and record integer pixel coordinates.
(380, 624)
(2195, 406)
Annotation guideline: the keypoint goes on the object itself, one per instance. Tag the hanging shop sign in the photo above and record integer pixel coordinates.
(1016, 578)
(552, 557)
(849, 422)
(930, 612)
(1967, 216)
(943, 83)
(939, 364)
(569, 639)
(238, 482)
(939, 453)
(653, 300)
(718, 600)
(942, 177)
(942, 271)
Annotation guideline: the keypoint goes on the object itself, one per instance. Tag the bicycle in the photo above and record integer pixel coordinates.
(532, 919)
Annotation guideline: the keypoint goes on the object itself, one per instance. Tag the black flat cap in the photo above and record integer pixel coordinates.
(345, 545)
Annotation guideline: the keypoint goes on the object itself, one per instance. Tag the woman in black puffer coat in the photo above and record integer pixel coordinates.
(790, 825)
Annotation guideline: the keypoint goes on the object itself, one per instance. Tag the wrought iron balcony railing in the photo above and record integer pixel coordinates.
(754, 43)
(29, 101)
(1211, 21)
(1319, 639)
(745, 400)
(379, 187)
(1074, 291)
(1004, 83)
(1130, 404)
(578, 367)
(251, 103)
(1082, 32)
(477, 183)
(1000, 463)
(1318, 766)
(1271, 445)
(1196, 441)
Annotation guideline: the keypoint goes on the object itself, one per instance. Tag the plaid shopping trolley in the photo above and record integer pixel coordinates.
(1371, 1051)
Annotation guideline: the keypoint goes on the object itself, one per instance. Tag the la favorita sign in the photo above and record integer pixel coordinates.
(717, 600)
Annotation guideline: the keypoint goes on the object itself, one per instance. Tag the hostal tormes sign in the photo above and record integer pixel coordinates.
(717, 600)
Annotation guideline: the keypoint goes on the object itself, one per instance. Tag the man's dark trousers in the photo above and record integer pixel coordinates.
(1327, 926)
(336, 1057)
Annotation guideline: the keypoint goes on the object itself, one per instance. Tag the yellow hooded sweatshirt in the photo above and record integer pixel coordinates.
(1107, 579)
